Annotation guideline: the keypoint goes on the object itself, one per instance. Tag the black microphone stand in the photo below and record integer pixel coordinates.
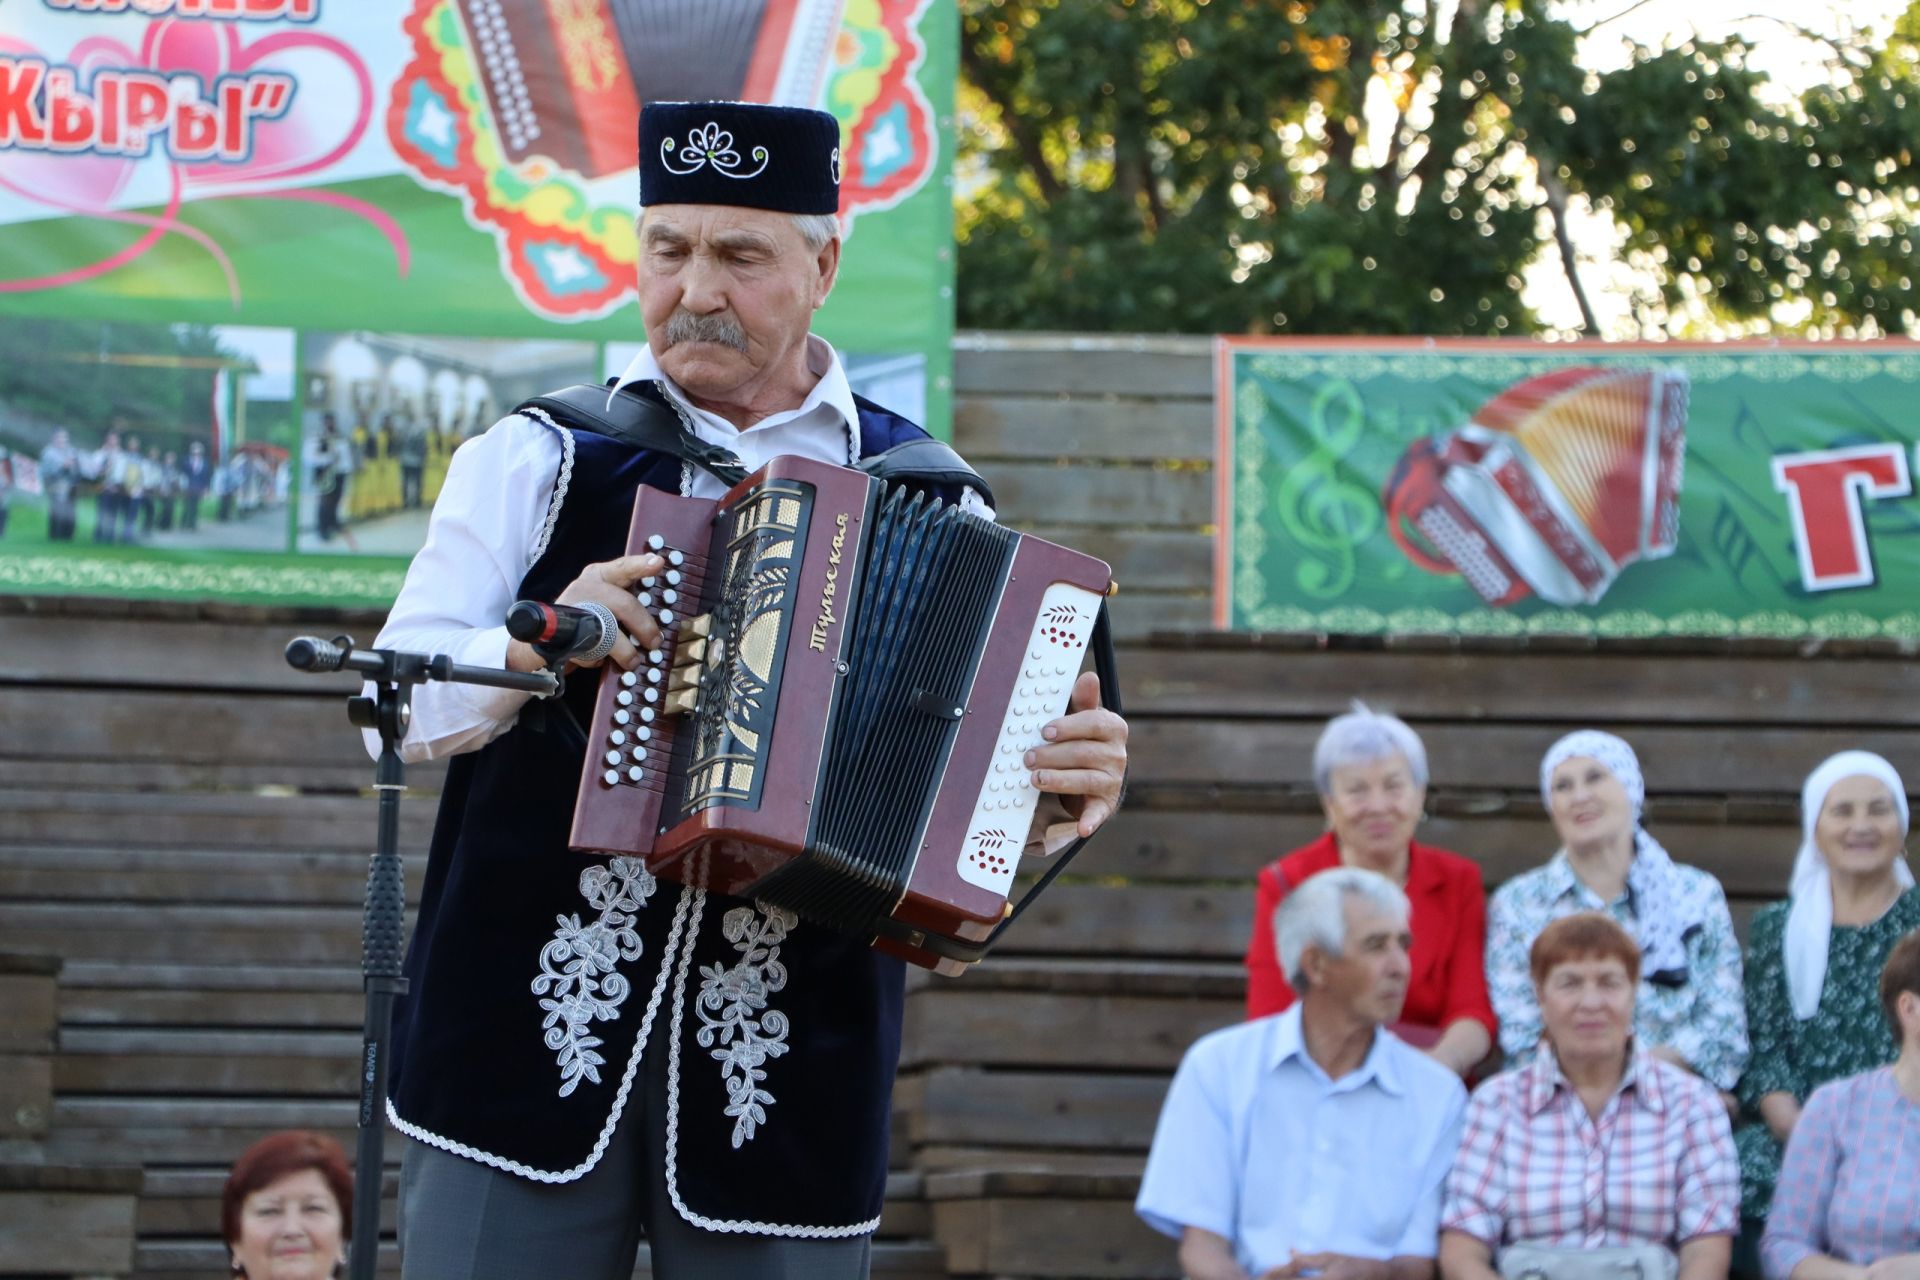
(383, 932)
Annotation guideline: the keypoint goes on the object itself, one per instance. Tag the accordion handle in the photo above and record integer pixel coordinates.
(1101, 643)
(1415, 479)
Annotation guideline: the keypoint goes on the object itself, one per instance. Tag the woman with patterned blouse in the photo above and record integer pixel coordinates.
(1848, 1204)
(1813, 961)
(1691, 1010)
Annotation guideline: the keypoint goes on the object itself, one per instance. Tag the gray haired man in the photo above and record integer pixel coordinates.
(1313, 1142)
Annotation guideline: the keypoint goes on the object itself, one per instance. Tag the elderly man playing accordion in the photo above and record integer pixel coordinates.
(586, 1052)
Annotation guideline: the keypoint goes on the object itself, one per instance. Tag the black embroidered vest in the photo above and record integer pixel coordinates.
(539, 976)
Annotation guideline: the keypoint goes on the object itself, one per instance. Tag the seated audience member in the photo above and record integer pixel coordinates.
(1371, 772)
(1690, 1009)
(1848, 1203)
(1595, 1157)
(1814, 961)
(287, 1208)
(1312, 1141)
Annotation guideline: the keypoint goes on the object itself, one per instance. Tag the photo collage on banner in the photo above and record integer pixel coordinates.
(264, 266)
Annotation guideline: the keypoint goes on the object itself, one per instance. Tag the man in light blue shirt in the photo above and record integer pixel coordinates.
(1312, 1142)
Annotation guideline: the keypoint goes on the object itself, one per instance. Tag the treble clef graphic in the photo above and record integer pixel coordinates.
(1323, 508)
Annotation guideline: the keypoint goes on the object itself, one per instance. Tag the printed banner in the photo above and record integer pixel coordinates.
(1506, 488)
(223, 220)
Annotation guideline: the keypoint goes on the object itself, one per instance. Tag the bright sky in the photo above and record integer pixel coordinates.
(1771, 29)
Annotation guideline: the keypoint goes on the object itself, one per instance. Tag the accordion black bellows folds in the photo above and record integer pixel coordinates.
(836, 720)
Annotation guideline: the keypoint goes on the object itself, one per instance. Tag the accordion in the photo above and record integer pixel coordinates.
(565, 79)
(1555, 486)
(836, 718)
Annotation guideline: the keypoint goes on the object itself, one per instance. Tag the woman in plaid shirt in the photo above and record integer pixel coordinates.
(1595, 1142)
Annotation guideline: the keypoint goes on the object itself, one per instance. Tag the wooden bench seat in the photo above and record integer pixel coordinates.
(68, 1219)
(201, 1259)
(1046, 1222)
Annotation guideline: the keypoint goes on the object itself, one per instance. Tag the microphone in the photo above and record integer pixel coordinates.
(311, 653)
(584, 633)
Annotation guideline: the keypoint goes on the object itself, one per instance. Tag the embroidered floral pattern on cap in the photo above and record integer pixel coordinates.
(734, 1015)
(579, 967)
(709, 144)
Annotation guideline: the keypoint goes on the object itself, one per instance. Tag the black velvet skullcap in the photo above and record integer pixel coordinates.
(786, 159)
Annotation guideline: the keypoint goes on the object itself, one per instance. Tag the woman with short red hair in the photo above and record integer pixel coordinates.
(1596, 1156)
(287, 1209)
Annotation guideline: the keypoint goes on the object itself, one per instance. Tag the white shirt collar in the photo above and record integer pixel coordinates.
(1288, 1040)
(832, 391)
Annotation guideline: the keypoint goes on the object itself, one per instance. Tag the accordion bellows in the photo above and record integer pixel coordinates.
(565, 79)
(1555, 486)
(836, 720)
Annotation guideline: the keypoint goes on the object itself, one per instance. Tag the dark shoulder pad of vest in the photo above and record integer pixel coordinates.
(620, 416)
(927, 460)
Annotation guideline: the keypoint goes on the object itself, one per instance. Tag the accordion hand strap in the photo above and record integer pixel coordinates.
(1101, 643)
(638, 421)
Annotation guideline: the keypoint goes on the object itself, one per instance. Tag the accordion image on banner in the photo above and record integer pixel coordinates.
(565, 79)
(1554, 487)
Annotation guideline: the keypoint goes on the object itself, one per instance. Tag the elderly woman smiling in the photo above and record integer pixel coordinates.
(1813, 961)
(1594, 1158)
(1371, 772)
(287, 1208)
(1691, 1009)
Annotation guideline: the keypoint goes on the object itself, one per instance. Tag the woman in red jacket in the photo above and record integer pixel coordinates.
(1371, 772)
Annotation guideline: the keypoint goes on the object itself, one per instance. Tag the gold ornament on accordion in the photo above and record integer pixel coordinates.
(1554, 487)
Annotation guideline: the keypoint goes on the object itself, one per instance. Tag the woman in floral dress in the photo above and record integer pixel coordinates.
(1814, 961)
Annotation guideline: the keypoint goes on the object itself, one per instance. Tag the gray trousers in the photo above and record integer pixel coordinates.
(463, 1220)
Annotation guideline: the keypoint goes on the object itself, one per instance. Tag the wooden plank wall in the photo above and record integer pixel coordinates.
(1104, 444)
(181, 821)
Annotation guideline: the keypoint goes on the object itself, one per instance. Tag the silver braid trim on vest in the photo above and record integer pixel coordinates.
(559, 485)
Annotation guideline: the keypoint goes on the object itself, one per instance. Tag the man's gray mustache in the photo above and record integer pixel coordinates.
(684, 326)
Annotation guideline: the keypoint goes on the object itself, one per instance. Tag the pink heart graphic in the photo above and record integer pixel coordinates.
(78, 183)
(331, 106)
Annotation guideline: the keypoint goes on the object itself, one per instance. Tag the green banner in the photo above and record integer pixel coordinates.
(223, 220)
(1507, 489)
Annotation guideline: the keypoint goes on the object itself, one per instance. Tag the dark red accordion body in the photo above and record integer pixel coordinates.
(836, 719)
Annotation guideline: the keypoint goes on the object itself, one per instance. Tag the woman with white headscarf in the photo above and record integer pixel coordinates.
(1690, 1010)
(1814, 961)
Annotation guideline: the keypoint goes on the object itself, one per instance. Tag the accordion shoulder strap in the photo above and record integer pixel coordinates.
(927, 460)
(638, 421)
(647, 424)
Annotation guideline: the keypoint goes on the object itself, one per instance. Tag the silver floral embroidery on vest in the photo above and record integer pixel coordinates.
(579, 966)
(710, 145)
(734, 1015)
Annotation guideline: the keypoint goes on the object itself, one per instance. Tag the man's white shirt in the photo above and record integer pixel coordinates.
(1256, 1144)
(486, 526)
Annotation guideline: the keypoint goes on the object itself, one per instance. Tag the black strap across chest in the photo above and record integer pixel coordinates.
(646, 423)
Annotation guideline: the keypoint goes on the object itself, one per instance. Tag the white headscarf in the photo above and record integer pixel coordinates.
(1810, 918)
(1657, 916)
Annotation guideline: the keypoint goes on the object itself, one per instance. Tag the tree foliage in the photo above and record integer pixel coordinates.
(1337, 166)
(88, 376)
